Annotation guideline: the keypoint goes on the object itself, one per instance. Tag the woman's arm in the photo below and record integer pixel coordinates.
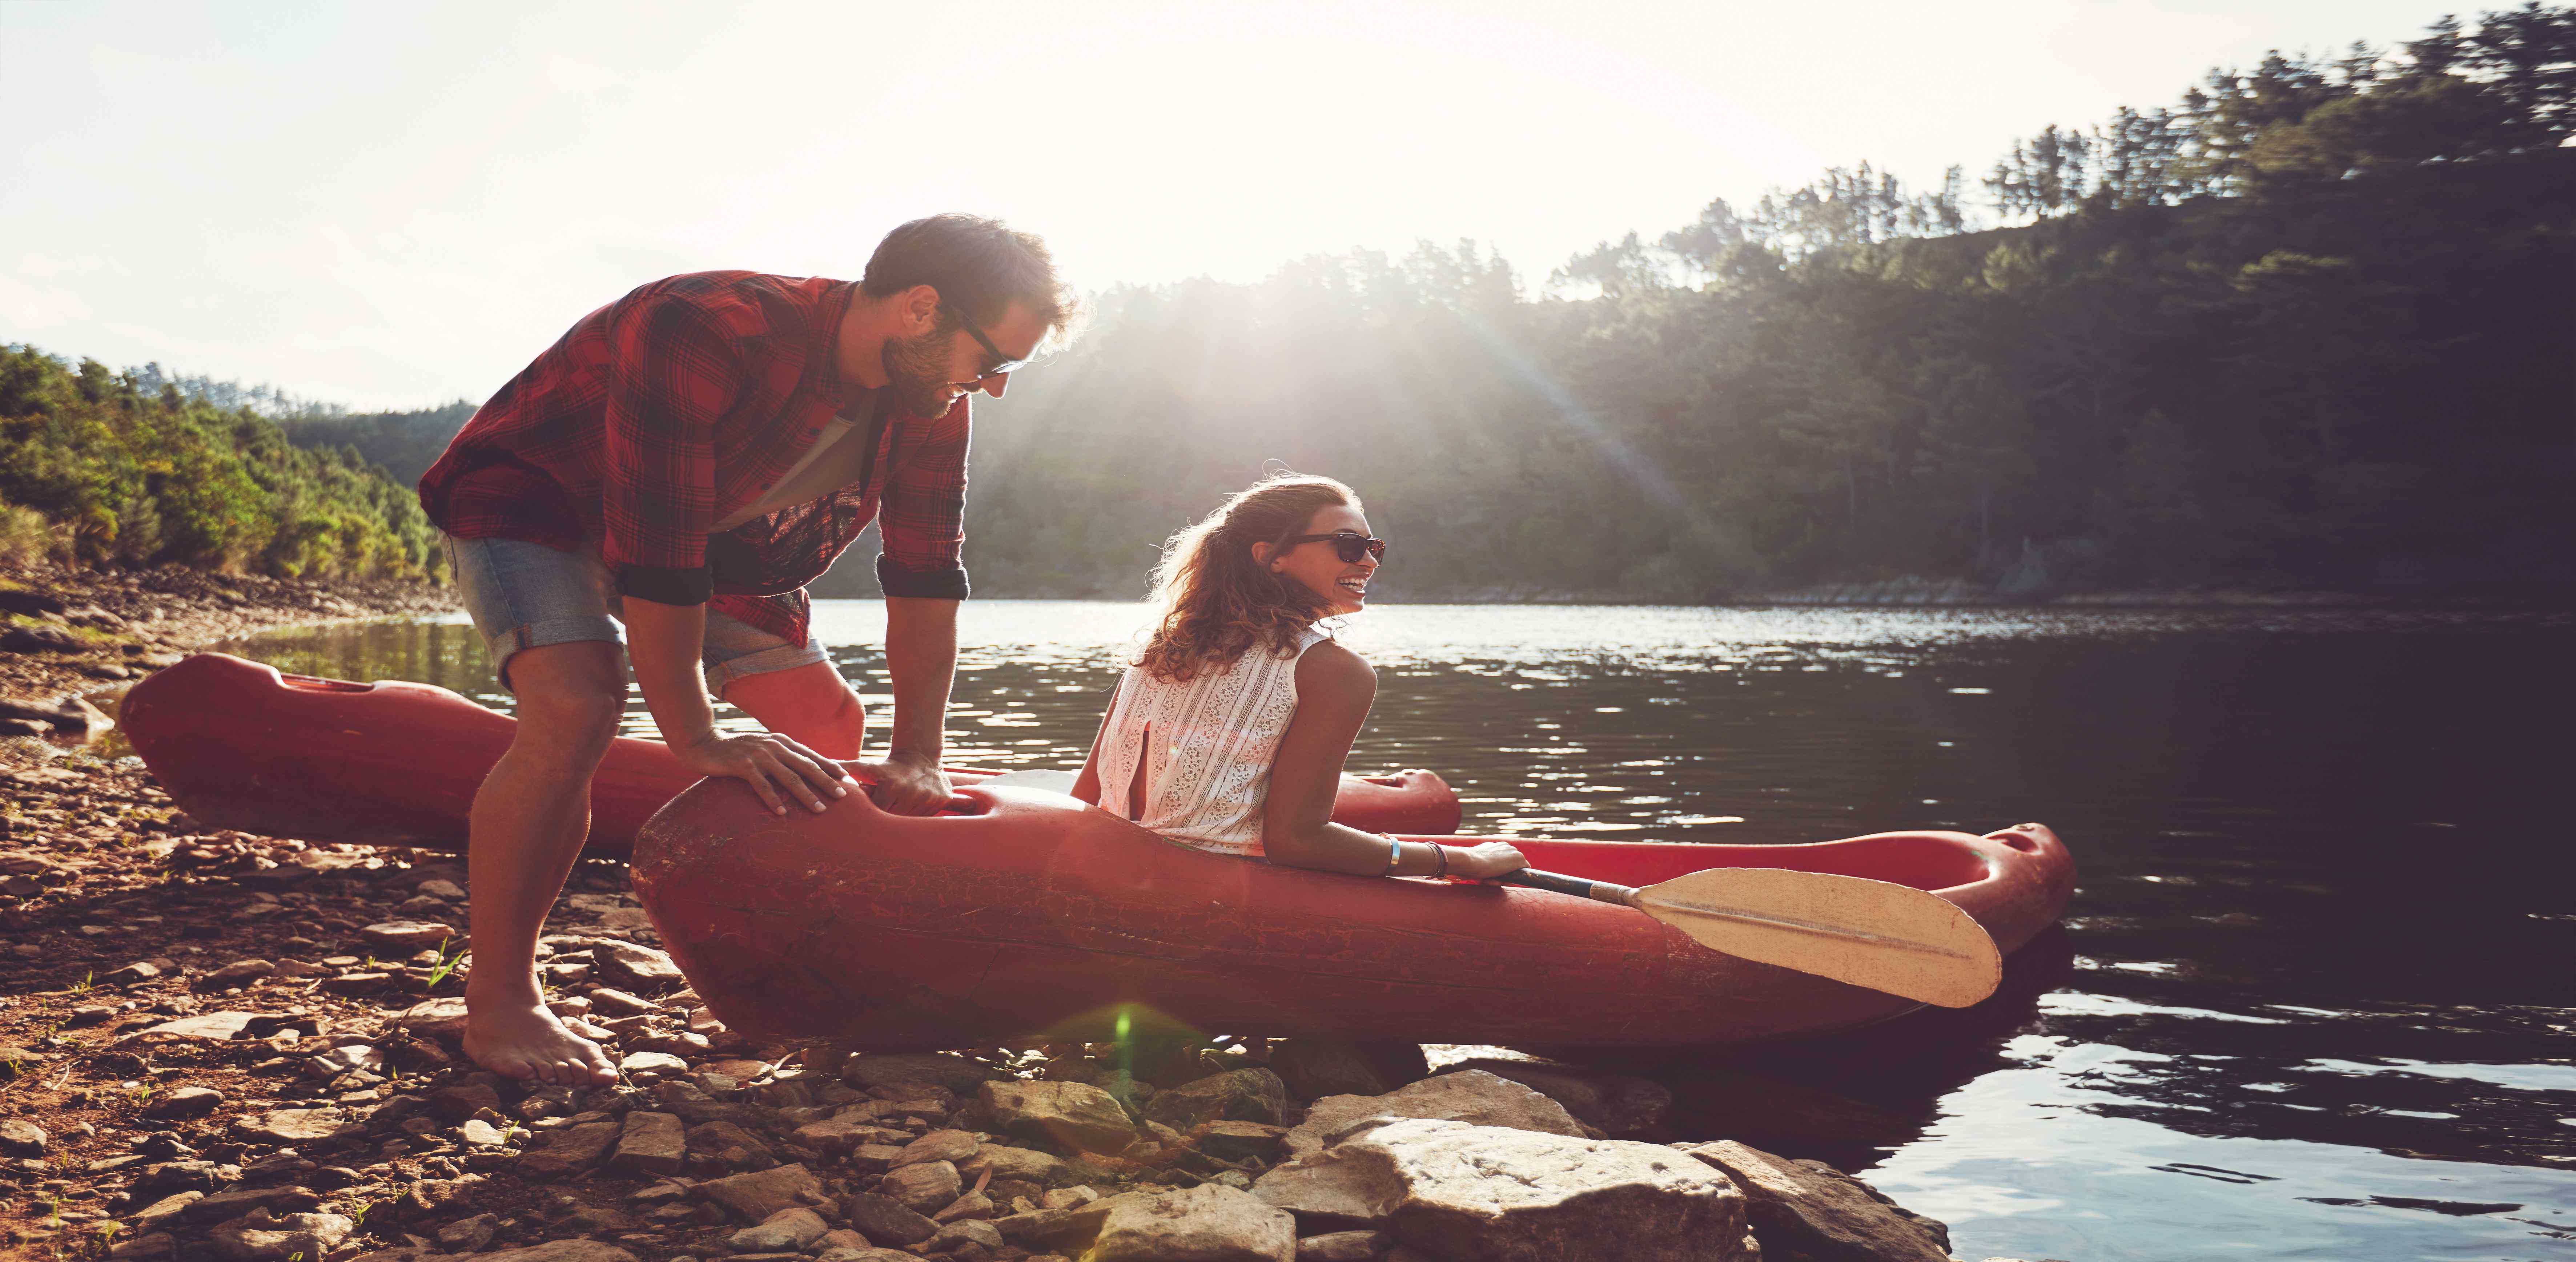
(1334, 690)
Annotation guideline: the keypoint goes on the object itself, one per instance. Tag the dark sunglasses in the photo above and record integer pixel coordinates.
(1001, 363)
(1349, 545)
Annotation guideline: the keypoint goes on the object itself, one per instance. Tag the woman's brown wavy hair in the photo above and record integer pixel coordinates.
(1217, 602)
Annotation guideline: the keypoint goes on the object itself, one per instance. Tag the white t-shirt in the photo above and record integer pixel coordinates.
(837, 458)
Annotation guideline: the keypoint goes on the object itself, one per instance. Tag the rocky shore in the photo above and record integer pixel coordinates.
(65, 632)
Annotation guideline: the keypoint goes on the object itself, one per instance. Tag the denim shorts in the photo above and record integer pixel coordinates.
(526, 595)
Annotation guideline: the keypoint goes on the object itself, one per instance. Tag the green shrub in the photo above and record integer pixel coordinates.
(26, 537)
(95, 468)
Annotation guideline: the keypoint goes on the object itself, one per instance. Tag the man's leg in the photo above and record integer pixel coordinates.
(809, 703)
(793, 689)
(529, 821)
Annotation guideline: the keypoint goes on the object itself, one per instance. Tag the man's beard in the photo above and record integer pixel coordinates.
(917, 372)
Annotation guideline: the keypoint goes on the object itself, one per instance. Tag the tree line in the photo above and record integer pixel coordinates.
(2306, 326)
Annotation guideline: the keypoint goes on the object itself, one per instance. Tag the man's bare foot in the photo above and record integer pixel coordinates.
(525, 1040)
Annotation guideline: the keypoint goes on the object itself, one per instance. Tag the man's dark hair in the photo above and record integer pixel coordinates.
(978, 265)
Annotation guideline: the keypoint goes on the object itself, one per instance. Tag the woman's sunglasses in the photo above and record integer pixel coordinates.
(1349, 545)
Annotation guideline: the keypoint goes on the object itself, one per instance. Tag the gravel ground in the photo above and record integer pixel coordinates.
(214, 1042)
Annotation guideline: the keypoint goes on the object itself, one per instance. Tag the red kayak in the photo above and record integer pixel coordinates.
(1027, 914)
(241, 745)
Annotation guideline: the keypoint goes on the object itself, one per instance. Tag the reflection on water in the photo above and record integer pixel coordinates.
(2312, 999)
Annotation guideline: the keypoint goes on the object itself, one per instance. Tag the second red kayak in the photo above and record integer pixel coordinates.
(240, 744)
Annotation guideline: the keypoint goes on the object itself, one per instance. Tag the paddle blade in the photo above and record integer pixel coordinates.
(1888, 937)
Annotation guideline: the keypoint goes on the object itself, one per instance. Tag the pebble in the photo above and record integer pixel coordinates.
(348, 1057)
(787, 1231)
(21, 1138)
(639, 966)
(185, 1102)
(755, 1196)
(618, 1003)
(652, 1143)
(407, 936)
(237, 973)
(943, 1145)
(662, 1063)
(288, 1126)
(469, 1235)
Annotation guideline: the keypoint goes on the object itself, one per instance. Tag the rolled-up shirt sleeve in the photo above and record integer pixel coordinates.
(922, 519)
(673, 376)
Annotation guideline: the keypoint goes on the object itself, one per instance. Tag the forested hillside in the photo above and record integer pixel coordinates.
(95, 467)
(2307, 327)
(404, 444)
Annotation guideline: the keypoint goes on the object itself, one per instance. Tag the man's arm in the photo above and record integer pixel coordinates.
(673, 375)
(921, 665)
(664, 642)
(922, 524)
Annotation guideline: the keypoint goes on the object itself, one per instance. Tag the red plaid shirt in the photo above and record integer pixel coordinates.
(679, 403)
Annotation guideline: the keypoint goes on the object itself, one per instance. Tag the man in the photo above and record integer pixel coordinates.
(685, 460)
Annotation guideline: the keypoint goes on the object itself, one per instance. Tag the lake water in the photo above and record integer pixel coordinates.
(2313, 999)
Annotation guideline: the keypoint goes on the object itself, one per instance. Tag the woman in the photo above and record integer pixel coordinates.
(1229, 732)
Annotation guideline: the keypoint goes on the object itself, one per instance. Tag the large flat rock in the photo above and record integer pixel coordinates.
(1458, 1192)
(1472, 1096)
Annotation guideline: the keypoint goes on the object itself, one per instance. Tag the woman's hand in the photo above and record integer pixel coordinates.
(1485, 859)
(776, 767)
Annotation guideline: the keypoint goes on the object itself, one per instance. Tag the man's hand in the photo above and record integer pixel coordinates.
(907, 784)
(776, 768)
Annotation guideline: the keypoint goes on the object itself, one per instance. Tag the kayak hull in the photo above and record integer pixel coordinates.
(1033, 916)
(240, 744)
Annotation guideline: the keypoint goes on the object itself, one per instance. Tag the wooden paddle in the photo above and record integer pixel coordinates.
(1887, 937)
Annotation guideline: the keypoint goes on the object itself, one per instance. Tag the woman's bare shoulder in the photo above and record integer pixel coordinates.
(1329, 668)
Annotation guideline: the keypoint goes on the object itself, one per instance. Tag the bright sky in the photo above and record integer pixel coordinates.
(392, 205)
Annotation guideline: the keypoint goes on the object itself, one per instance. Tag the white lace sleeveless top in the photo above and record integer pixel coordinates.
(1207, 771)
